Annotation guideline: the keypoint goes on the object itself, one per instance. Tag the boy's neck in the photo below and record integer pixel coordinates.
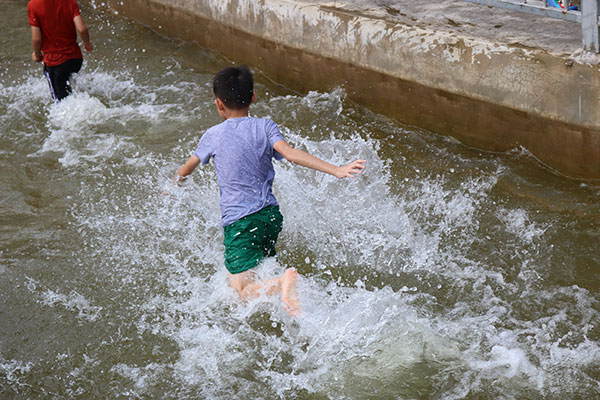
(236, 115)
(229, 114)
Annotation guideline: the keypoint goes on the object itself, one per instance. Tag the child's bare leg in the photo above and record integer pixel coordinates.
(240, 281)
(289, 294)
(247, 287)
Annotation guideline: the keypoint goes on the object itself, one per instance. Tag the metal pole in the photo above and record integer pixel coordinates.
(589, 25)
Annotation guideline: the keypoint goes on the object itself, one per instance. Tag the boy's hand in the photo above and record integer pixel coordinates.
(179, 180)
(349, 170)
(37, 57)
(89, 46)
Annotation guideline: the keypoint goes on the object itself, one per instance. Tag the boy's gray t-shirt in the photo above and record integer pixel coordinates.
(242, 149)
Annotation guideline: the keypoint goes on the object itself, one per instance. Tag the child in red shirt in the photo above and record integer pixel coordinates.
(54, 28)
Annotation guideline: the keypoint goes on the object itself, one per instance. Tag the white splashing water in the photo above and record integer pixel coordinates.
(422, 287)
(394, 337)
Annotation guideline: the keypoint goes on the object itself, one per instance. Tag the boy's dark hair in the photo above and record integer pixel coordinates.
(234, 86)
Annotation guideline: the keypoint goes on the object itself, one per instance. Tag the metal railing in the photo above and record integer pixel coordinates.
(588, 16)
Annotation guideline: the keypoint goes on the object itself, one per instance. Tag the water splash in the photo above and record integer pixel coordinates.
(438, 273)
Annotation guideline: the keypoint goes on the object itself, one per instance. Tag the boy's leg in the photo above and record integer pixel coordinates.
(289, 294)
(59, 76)
(247, 287)
(49, 78)
(249, 240)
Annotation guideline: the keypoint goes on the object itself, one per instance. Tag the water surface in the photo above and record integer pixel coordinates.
(441, 272)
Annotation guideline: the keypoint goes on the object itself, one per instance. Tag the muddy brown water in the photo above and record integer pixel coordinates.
(441, 272)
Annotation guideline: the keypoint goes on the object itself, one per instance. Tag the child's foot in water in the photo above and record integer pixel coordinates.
(289, 294)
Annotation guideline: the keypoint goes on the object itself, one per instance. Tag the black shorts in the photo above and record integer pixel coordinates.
(59, 75)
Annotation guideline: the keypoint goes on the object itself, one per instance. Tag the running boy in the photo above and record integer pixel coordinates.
(54, 28)
(243, 148)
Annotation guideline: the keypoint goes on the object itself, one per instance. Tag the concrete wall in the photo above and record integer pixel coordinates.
(491, 96)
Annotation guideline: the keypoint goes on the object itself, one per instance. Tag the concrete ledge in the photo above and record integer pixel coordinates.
(487, 93)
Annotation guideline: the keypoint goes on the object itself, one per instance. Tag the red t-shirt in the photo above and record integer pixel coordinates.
(59, 37)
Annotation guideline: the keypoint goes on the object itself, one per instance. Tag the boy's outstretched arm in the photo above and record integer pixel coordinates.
(310, 161)
(186, 169)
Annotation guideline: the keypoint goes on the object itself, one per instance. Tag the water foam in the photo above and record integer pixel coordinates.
(87, 126)
(394, 297)
(14, 372)
(435, 274)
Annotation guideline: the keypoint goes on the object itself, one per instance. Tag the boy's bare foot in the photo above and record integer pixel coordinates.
(289, 294)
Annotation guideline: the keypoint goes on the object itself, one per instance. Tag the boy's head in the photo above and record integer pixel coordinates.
(234, 86)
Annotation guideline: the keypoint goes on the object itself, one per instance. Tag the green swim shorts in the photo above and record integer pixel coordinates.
(251, 238)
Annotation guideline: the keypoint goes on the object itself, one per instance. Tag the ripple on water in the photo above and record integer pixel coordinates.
(438, 273)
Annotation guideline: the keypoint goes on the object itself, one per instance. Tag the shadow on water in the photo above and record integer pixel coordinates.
(441, 272)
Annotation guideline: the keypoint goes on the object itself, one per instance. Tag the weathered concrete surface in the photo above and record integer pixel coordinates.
(493, 79)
